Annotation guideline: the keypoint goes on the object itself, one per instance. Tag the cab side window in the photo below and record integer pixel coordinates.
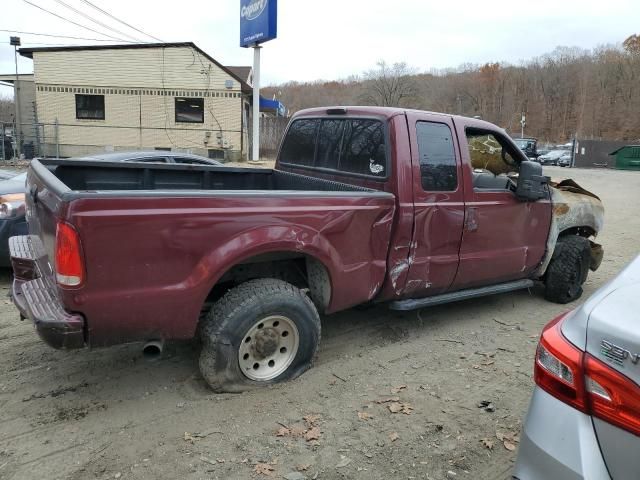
(493, 160)
(438, 167)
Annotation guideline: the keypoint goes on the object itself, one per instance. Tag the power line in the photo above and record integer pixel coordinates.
(79, 12)
(118, 20)
(56, 36)
(75, 23)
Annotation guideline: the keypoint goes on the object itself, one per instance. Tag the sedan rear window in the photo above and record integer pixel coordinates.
(351, 145)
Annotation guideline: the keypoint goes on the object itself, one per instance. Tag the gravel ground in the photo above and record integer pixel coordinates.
(108, 414)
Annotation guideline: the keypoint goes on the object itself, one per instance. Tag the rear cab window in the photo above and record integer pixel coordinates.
(351, 146)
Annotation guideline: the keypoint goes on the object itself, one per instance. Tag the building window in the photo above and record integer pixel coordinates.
(90, 107)
(189, 110)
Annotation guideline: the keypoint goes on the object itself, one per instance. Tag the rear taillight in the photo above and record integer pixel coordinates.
(69, 265)
(614, 397)
(584, 382)
(558, 367)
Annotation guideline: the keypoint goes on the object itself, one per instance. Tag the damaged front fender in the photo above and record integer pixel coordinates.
(575, 210)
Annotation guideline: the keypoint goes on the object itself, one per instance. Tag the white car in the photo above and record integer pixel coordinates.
(584, 417)
(552, 157)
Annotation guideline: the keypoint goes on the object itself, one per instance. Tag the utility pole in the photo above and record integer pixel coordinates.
(15, 41)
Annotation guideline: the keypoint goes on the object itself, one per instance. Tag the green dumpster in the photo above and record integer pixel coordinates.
(627, 157)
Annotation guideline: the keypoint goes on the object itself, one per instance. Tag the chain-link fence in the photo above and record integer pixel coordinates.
(40, 139)
(31, 140)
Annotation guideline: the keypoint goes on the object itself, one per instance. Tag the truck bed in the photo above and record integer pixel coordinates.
(109, 176)
(156, 238)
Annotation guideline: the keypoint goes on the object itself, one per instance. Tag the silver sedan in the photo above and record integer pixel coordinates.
(584, 417)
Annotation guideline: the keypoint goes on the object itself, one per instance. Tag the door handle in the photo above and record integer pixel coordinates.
(471, 219)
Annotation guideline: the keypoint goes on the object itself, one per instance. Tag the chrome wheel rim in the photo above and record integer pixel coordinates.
(268, 348)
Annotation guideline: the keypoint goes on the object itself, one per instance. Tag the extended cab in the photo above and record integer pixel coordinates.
(365, 204)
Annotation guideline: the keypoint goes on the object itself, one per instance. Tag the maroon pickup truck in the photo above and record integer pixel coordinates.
(365, 204)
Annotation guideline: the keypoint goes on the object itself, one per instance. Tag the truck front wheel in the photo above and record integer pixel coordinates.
(261, 332)
(568, 269)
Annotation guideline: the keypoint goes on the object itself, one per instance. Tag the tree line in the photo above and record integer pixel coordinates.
(591, 94)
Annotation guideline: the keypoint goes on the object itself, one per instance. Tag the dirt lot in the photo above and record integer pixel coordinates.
(109, 414)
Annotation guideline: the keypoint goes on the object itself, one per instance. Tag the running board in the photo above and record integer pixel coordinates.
(415, 303)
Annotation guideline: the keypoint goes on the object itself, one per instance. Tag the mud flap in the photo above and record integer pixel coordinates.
(597, 252)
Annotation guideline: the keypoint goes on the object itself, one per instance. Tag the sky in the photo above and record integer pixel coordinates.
(333, 39)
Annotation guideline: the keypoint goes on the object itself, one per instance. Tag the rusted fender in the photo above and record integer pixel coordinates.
(573, 207)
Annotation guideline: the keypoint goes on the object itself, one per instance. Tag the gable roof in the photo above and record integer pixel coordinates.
(28, 52)
(241, 71)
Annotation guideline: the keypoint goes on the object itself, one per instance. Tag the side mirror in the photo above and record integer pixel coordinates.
(532, 185)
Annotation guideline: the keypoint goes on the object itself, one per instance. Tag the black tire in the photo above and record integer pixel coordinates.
(236, 313)
(568, 269)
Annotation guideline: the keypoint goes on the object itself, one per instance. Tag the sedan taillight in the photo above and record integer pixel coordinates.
(584, 382)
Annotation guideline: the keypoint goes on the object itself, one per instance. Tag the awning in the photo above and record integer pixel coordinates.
(272, 106)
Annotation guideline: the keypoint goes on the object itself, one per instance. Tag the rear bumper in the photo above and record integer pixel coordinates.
(558, 442)
(37, 299)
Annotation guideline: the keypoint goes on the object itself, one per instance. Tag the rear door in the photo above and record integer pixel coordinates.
(438, 197)
(504, 238)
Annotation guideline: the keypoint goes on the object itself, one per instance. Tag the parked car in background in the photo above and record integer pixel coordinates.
(551, 158)
(565, 159)
(528, 147)
(153, 156)
(12, 204)
(584, 417)
(543, 151)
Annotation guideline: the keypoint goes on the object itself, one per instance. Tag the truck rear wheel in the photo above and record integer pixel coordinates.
(568, 269)
(259, 333)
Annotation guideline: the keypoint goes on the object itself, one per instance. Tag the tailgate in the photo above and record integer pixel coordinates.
(44, 206)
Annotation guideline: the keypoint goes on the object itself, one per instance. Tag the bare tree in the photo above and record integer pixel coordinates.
(592, 93)
(7, 109)
(389, 85)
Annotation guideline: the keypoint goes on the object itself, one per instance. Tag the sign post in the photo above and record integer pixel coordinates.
(258, 24)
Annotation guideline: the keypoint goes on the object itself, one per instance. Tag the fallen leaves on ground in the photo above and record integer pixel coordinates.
(393, 436)
(312, 434)
(364, 416)
(388, 399)
(400, 407)
(398, 389)
(311, 420)
(487, 443)
(264, 469)
(508, 440)
(508, 445)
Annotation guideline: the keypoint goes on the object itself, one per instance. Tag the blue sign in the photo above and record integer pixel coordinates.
(258, 21)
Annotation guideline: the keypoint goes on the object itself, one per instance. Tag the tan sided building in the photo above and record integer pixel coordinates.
(166, 96)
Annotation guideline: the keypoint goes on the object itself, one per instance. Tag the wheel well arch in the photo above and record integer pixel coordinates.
(585, 231)
(302, 270)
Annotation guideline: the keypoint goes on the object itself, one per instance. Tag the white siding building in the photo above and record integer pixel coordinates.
(141, 97)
